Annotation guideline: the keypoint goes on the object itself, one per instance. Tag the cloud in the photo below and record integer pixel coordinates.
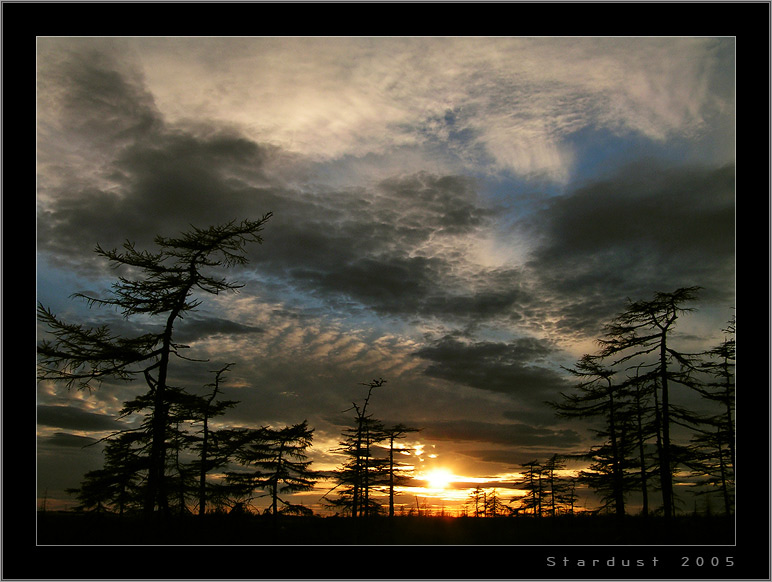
(66, 440)
(510, 368)
(508, 103)
(74, 418)
(514, 434)
(649, 228)
(196, 327)
(665, 210)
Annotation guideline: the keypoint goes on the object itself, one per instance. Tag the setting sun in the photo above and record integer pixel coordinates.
(439, 478)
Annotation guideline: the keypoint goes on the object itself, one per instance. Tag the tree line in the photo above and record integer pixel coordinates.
(369, 447)
(177, 462)
(164, 466)
(626, 390)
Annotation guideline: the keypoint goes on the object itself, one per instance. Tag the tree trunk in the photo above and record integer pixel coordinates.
(666, 476)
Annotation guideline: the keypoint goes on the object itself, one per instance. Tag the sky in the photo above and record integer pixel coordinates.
(459, 216)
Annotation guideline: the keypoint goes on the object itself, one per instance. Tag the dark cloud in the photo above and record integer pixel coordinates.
(650, 228)
(197, 327)
(440, 204)
(140, 177)
(519, 368)
(163, 188)
(517, 434)
(362, 245)
(385, 284)
(101, 94)
(663, 210)
(73, 418)
(65, 440)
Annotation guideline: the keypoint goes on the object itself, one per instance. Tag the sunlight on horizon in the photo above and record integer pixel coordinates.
(438, 478)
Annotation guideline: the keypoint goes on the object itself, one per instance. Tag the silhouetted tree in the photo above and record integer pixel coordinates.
(644, 428)
(532, 484)
(568, 495)
(554, 483)
(712, 465)
(167, 280)
(494, 506)
(395, 471)
(477, 499)
(214, 449)
(116, 486)
(642, 331)
(281, 465)
(363, 470)
(719, 364)
(597, 396)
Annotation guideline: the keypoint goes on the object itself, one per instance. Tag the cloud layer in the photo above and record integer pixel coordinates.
(458, 215)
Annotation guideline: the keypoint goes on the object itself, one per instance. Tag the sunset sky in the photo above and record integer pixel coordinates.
(457, 215)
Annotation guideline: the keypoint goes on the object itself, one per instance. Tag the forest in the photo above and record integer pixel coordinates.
(196, 482)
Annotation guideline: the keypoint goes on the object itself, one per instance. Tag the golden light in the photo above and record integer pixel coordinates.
(439, 478)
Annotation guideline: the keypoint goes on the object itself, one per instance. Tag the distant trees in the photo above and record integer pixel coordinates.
(627, 386)
(366, 468)
(548, 492)
(531, 483)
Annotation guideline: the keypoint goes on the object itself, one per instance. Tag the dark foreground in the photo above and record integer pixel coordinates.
(68, 528)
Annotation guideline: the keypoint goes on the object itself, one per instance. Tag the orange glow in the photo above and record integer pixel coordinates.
(439, 478)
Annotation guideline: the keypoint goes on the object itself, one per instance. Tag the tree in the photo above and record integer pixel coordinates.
(116, 485)
(532, 484)
(494, 506)
(643, 330)
(555, 485)
(362, 471)
(720, 364)
(597, 395)
(644, 428)
(212, 450)
(164, 288)
(713, 444)
(396, 477)
(281, 465)
(476, 497)
(711, 463)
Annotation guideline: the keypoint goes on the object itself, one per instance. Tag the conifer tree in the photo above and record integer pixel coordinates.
(363, 470)
(281, 466)
(643, 332)
(533, 486)
(164, 288)
(396, 475)
(214, 447)
(713, 444)
(598, 396)
(116, 486)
